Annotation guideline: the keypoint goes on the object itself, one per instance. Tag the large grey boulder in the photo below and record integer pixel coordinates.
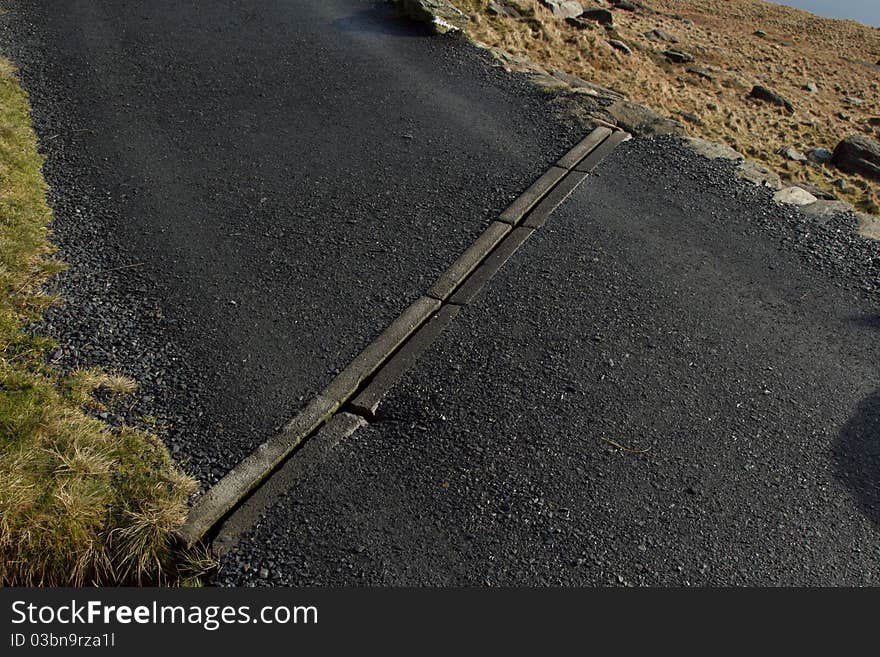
(442, 15)
(858, 154)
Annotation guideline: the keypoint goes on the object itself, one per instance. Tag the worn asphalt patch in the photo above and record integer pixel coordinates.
(247, 193)
(668, 308)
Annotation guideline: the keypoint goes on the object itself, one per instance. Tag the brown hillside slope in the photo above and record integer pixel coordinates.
(827, 68)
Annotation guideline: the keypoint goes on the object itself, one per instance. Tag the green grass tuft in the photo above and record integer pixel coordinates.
(80, 502)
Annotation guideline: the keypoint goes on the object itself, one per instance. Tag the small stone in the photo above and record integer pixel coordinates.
(522, 7)
(494, 10)
(758, 174)
(642, 120)
(792, 154)
(852, 100)
(620, 45)
(579, 23)
(563, 8)
(264, 573)
(874, 121)
(679, 56)
(701, 73)
(768, 95)
(691, 118)
(760, 34)
(819, 155)
(624, 5)
(601, 16)
(818, 192)
(794, 196)
(661, 35)
(810, 86)
(714, 151)
(841, 184)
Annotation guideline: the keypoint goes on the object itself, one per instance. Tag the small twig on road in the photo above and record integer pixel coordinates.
(626, 449)
(73, 132)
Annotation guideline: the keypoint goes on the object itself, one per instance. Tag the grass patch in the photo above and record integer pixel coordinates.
(80, 502)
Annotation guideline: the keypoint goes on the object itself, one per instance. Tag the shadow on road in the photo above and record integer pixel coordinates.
(380, 21)
(857, 450)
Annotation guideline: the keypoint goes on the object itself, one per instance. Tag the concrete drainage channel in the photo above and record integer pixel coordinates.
(230, 507)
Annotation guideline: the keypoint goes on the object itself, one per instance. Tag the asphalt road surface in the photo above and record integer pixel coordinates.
(248, 191)
(674, 382)
(729, 346)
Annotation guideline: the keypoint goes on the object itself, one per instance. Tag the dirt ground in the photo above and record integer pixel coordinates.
(828, 69)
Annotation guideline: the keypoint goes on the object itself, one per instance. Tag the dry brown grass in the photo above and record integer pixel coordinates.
(799, 49)
(80, 502)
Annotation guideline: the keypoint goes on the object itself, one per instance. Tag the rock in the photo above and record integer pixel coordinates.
(579, 23)
(701, 73)
(758, 174)
(842, 116)
(522, 7)
(824, 210)
(442, 15)
(858, 154)
(841, 184)
(869, 226)
(819, 155)
(601, 16)
(679, 56)
(624, 5)
(642, 120)
(579, 83)
(760, 33)
(794, 196)
(768, 95)
(495, 9)
(809, 86)
(620, 45)
(691, 118)
(549, 82)
(563, 8)
(852, 100)
(792, 154)
(874, 121)
(264, 573)
(661, 35)
(818, 192)
(713, 151)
